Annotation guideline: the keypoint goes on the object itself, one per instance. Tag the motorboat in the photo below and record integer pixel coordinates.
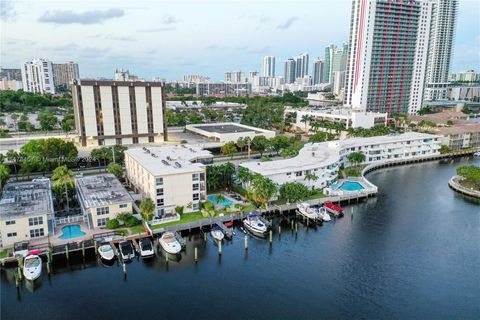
(477, 154)
(32, 267)
(146, 248)
(322, 212)
(126, 250)
(255, 225)
(169, 243)
(307, 211)
(106, 251)
(217, 233)
(333, 208)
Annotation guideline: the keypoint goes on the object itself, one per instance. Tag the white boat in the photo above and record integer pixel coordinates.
(169, 243)
(126, 250)
(324, 214)
(256, 226)
(307, 211)
(146, 248)
(32, 267)
(217, 233)
(106, 251)
(477, 154)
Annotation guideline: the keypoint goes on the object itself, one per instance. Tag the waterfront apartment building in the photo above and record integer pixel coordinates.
(268, 66)
(119, 112)
(387, 57)
(442, 31)
(223, 89)
(171, 176)
(65, 73)
(324, 159)
(301, 65)
(26, 212)
(102, 197)
(37, 76)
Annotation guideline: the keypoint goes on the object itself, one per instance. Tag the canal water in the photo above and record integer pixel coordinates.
(413, 252)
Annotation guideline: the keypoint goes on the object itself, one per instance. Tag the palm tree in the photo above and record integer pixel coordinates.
(305, 119)
(64, 180)
(241, 143)
(311, 177)
(244, 175)
(262, 190)
(13, 156)
(147, 207)
(4, 175)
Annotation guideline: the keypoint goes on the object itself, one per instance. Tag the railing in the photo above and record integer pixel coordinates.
(174, 217)
(69, 219)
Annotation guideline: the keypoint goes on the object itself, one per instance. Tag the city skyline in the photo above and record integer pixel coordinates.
(272, 30)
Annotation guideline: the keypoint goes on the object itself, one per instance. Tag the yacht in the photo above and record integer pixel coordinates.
(477, 154)
(217, 233)
(322, 212)
(254, 225)
(333, 208)
(106, 251)
(169, 243)
(32, 267)
(307, 211)
(126, 250)
(146, 248)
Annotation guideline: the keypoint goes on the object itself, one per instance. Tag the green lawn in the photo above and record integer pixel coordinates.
(4, 253)
(185, 218)
(355, 171)
(137, 229)
(316, 195)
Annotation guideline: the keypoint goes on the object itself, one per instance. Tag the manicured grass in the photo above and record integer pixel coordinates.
(4, 253)
(316, 195)
(355, 171)
(185, 218)
(469, 184)
(137, 229)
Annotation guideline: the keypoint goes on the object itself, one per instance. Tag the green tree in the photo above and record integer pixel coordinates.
(4, 175)
(47, 121)
(229, 149)
(294, 191)
(260, 144)
(311, 177)
(445, 149)
(306, 119)
(262, 190)
(64, 186)
(147, 207)
(14, 117)
(356, 157)
(321, 137)
(116, 170)
(241, 143)
(14, 157)
(280, 142)
(244, 175)
(47, 154)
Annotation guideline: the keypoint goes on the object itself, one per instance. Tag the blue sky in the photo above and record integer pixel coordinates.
(172, 38)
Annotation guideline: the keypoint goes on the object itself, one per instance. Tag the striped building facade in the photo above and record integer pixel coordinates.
(119, 112)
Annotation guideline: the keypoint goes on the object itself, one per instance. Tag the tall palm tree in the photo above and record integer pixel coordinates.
(306, 119)
(64, 180)
(13, 156)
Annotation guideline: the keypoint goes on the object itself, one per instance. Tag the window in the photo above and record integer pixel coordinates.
(12, 234)
(195, 177)
(160, 192)
(123, 205)
(103, 210)
(35, 233)
(196, 206)
(289, 173)
(102, 222)
(298, 173)
(160, 212)
(35, 221)
(9, 222)
(195, 187)
(160, 202)
(159, 181)
(196, 196)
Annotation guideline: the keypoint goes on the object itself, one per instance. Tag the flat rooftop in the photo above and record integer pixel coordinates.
(225, 128)
(391, 138)
(101, 190)
(26, 198)
(459, 128)
(170, 159)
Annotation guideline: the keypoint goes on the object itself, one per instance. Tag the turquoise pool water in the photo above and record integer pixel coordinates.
(72, 231)
(350, 186)
(224, 202)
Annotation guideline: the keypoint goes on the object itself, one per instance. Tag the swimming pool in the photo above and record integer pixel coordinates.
(71, 231)
(224, 202)
(350, 186)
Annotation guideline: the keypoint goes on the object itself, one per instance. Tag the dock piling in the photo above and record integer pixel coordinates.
(270, 236)
(246, 242)
(19, 271)
(196, 254)
(66, 251)
(124, 266)
(220, 248)
(279, 229)
(83, 249)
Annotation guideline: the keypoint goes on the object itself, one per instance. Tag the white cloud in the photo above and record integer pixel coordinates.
(86, 17)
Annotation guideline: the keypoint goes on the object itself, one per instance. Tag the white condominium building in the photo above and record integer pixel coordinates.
(119, 112)
(171, 176)
(37, 76)
(268, 66)
(442, 31)
(324, 159)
